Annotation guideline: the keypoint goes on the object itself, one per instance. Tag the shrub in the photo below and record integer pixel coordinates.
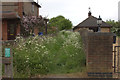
(45, 55)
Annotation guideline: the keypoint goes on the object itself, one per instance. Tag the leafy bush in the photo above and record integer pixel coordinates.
(60, 23)
(115, 26)
(45, 55)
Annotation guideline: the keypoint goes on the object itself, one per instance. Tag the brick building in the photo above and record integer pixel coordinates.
(11, 14)
(91, 24)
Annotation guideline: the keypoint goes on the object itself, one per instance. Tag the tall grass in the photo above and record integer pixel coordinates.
(49, 55)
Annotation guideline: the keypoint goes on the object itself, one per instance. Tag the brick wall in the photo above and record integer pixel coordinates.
(20, 7)
(84, 35)
(80, 29)
(28, 9)
(9, 6)
(105, 29)
(98, 48)
(99, 54)
(102, 29)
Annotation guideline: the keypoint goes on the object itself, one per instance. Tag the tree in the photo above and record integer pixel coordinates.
(60, 22)
(28, 23)
(115, 26)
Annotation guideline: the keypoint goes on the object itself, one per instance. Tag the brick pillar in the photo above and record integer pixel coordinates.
(4, 30)
(20, 9)
(99, 54)
(18, 29)
(20, 13)
(38, 12)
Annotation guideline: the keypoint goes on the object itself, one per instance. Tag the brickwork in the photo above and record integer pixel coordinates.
(98, 48)
(99, 53)
(84, 34)
(4, 30)
(18, 30)
(105, 30)
(80, 29)
(28, 9)
(9, 6)
(19, 8)
(102, 29)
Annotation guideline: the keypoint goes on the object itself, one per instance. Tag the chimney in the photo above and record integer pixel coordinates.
(89, 13)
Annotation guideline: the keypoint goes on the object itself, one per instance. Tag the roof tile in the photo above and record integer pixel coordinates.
(91, 21)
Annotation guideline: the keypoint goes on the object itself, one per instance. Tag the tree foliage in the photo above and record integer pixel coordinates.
(115, 26)
(60, 22)
(28, 23)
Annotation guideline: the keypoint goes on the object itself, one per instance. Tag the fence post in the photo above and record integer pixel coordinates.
(99, 55)
(8, 61)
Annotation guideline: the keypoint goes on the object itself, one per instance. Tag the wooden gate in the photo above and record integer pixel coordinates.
(116, 57)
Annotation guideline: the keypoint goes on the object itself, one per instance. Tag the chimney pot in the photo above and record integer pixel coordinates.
(89, 13)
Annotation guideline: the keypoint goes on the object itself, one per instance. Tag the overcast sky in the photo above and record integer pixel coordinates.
(77, 10)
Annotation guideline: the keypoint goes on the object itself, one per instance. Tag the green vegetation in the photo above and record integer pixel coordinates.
(59, 23)
(49, 55)
(115, 26)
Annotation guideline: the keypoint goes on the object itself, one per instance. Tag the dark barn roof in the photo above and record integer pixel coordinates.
(90, 22)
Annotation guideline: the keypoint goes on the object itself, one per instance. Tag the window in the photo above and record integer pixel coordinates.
(95, 29)
(32, 7)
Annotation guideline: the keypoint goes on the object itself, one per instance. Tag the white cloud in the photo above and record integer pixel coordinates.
(76, 10)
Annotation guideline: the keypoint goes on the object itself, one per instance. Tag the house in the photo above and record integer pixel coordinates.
(91, 24)
(10, 25)
(11, 14)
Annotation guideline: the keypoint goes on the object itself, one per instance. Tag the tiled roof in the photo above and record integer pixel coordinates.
(91, 21)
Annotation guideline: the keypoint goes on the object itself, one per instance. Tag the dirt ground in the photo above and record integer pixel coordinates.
(71, 75)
